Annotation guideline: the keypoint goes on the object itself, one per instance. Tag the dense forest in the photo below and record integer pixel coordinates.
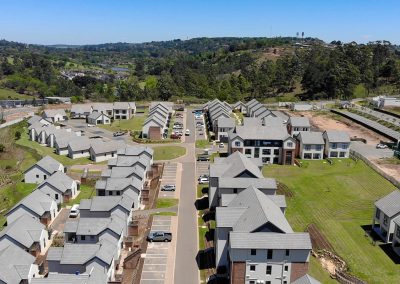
(202, 68)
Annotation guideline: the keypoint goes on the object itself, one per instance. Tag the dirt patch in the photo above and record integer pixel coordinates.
(322, 122)
(391, 169)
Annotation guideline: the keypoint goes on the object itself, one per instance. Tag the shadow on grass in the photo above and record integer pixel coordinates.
(388, 249)
(201, 203)
(205, 259)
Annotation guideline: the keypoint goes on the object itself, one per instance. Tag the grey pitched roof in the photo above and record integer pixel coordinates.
(129, 161)
(337, 136)
(102, 107)
(83, 253)
(226, 217)
(135, 151)
(251, 121)
(106, 203)
(299, 121)
(124, 172)
(306, 279)
(314, 138)
(101, 147)
(397, 221)
(251, 103)
(80, 144)
(261, 210)
(93, 227)
(63, 138)
(48, 164)
(60, 278)
(94, 115)
(118, 183)
(121, 105)
(238, 104)
(34, 119)
(54, 112)
(81, 108)
(59, 180)
(262, 112)
(262, 240)
(260, 132)
(279, 200)
(273, 121)
(25, 230)
(229, 182)
(390, 204)
(281, 114)
(14, 264)
(233, 166)
(226, 122)
(36, 201)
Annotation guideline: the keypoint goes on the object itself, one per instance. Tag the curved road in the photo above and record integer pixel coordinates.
(186, 270)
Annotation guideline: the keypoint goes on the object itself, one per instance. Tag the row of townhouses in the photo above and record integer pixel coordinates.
(253, 241)
(156, 125)
(219, 118)
(70, 143)
(93, 242)
(103, 113)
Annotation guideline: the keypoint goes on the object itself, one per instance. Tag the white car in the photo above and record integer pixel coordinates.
(74, 212)
(381, 146)
(187, 132)
(203, 180)
(91, 125)
(221, 145)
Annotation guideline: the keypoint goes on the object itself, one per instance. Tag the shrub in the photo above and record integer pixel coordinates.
(17, 135)
(2, 148)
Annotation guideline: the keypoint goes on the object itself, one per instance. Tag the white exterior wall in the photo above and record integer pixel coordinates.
(313, 150)
(102, 157)
(58, 117)
(145, 128)
(396, 239)
(35, 175)
(33, 271)
(389, 227)
(44, 239)
(119, 114)
(296, 130)
(340, 148)
(301, 107)
(78, 154)
(52, 192)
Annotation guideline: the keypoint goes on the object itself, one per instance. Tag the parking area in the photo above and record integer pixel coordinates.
(158, 257)
(202, 168)
(169, 176)
(370, 151)
(200, 128)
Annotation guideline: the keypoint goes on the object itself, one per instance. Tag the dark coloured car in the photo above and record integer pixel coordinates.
(203, 158)
(118, 133)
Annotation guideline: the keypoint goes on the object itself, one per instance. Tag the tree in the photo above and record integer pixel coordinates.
(2, 148)
(17, 135)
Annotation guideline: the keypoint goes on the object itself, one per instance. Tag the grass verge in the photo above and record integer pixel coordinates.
(166, 202)
(168, 152)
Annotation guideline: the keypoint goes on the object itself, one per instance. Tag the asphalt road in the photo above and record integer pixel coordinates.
(186, 270)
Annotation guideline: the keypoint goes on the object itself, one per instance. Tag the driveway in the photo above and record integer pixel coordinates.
(59, 221)
(370, 151)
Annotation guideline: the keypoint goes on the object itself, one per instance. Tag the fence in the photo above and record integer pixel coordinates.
(354, 154)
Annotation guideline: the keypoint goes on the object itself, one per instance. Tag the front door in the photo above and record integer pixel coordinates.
(288, 157)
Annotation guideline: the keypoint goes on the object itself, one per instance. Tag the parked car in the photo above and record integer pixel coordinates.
(159, 236)
(74, 212)
(221, 145)
(187, 132)
(91, 125)
(203, 180)
(175, 136)
(168, 187)
(198, 116)
(177, 127)
(118, 133)
(381, 146)
(202, 158)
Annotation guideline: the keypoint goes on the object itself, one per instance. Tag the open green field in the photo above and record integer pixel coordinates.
(133, 124)
(339, 200)
(168, 152)
(5, 94)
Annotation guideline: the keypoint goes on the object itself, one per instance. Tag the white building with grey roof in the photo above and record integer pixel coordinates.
(311, 145)
(223, 126)
(80, 110)
(38, 205)
(118, 186)
(104, 150)
(42, 169)
(387, 209)
(125, 172)
(55, 115)
(337, 144)
(60, 187)
(96, 118)
(297, 124)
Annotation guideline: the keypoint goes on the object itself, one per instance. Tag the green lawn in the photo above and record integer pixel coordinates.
(168, 152)
(43, 151)
(10, 195)
(86, 192)
(133, 124)
(339, 200)
(166, 202)
(164, 214)
(5, 94)
(202, 144)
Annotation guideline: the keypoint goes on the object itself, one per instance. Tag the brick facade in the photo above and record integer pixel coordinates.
(238, 272)
(298, 270)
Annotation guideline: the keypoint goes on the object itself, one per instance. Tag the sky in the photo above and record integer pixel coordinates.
(102, 21)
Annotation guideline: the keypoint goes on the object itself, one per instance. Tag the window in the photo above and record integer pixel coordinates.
(342, 154)
(334, 145)
(81, 152)
(37, 176)
(307, 147)
(252, 268)
(56, 196)
(247, 151)
(266, 151)
(287, 252)
(318, 147)
(235, 190)
(44, 176)
(118, 192)
(284, 282)
(267, 282)
(286, 268)
(345, 145)
(276, 152)
(398, 232)
(269, 270)
(290, 144)
(269, 254)
(316, 156)
(385, 220)
(265, 160)
(252, 282)
(377, 213)
(253, 252)
(237, 143)
(83, 238)
(307, 156)
(256, 152)
(334, 154)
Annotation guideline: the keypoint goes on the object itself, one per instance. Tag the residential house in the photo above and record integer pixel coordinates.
(27, 234)
(79, 148)
(37, 119)
(38, 205)
(386, 210)
(62, 140)
(55, 115)
(306, 279)
(42, 170)
(272, 121)
(17, 266)
(124, 110)
(297, 124)
(154, 127)
(311, 145)
(337, 144)
(239, 106)
(268, 145)
(60, 187)
(301, 106)
(80, 258)
(250, 104)
(118, 186)
(137, 172)
(106, 108)
(80, 110)
(104, 150)
(92, 275)
(396, 236)
(130, 161)
(224, 125)
(98, 118)
(137, 151)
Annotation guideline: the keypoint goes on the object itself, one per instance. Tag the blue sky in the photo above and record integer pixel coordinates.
(100, 21)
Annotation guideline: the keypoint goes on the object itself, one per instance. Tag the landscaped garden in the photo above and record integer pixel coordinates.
(339, 200)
